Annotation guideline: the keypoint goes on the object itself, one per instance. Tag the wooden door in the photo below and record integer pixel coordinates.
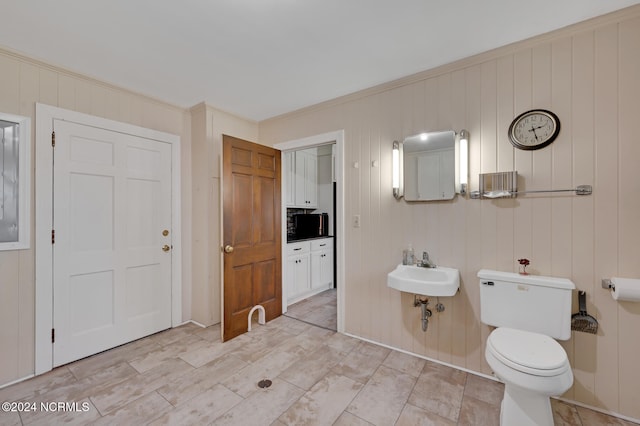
(252, 233)
(112, 219)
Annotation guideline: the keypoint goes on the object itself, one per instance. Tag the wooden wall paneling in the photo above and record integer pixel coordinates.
(48, 86)
(444, 231)
(562, 170)
(406, 218)
(10, 314)
(584, 362)
(385, 240)
(9, 85)
(131, 110)
(375, 280)
(460, 302)
(67, 92)
(488, 158)
(629, 212)
(84, 96)
(29, 93)
(112, 106)
(444, 112)
(505, 162)
(187, 201)
(446, 221)
(98, 100)
(416, 227)
(474, 243)
(200, 192)
(541, 177)
(160, 117)
(562, 158)
(26, 313)
(605, 196)
(488, 249)
(488, 116)
(353, 246)
(9, 260)
(444, 320)
(523, 217)
(396, 232)
(363, 234)
(29, 88)
(425, 107)
(424, 111)
(214, 262)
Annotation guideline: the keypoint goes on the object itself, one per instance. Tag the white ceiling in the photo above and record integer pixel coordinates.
(262, 58)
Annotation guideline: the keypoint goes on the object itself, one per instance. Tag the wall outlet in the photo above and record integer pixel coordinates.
(356, 221)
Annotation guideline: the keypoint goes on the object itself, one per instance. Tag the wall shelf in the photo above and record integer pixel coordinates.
(505, 185)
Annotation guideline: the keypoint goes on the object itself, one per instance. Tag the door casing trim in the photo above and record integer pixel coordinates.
(336, 137)
(45, 116)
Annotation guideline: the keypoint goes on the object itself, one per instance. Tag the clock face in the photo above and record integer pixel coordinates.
(534, 129)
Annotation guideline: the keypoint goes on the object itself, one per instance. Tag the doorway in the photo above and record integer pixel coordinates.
(114, 274)
(338, 222)
(252, 237)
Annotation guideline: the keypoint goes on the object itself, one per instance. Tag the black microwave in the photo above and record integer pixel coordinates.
(311, 225)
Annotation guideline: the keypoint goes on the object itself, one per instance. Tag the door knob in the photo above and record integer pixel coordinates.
(228, 249)
(166, 248)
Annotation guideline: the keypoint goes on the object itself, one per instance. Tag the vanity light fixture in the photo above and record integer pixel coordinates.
(396, 170)
(464, 160)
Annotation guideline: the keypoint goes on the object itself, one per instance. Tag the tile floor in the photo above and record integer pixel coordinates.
(186, 376)
(320, 310)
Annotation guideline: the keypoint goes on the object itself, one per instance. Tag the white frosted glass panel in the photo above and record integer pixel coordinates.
(84, 150)
(91, 212)
(91, 301)
(9, 194)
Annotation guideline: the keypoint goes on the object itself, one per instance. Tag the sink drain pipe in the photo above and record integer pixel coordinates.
(425, 311)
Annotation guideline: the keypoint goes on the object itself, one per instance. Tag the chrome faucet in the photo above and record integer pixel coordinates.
(425, 262)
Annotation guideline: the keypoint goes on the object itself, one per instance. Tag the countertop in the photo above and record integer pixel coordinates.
(291, 240)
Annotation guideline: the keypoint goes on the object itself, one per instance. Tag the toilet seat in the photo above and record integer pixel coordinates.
(527, 352)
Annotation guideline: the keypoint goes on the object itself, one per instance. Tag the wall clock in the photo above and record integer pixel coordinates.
(534, 129)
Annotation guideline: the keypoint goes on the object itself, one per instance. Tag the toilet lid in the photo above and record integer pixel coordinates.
(531, 353)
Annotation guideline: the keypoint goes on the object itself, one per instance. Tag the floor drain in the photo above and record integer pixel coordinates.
(264, 383)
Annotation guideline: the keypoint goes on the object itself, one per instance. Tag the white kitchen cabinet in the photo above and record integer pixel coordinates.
(298, 269)
(309, 268)
(322, 264)
(305, 182)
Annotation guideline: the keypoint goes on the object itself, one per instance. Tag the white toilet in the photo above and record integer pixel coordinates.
(530, 311)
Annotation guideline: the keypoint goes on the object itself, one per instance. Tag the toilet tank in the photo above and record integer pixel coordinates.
(526, 302)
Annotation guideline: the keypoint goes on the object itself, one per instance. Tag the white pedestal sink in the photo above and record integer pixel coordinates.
(439, 281)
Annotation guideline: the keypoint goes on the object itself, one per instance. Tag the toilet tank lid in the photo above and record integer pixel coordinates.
(539, 280)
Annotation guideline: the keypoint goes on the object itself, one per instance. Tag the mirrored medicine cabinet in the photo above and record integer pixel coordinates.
(429, 166)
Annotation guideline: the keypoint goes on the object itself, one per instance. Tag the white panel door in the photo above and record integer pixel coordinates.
(112, 219)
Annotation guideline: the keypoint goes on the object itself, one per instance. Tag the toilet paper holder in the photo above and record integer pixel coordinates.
(608, 284)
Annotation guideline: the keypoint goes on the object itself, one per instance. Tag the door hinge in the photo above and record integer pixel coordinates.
(53, 236)
(53, 335)
(53, 139)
